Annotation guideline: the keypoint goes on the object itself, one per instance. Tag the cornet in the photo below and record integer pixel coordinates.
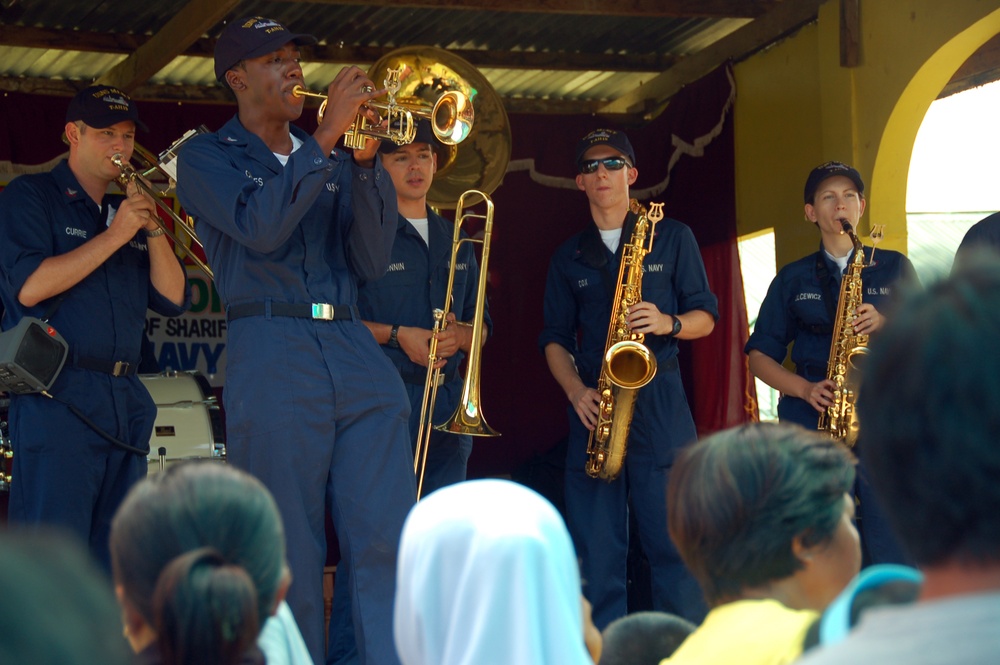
(451, 116)
(166, 167)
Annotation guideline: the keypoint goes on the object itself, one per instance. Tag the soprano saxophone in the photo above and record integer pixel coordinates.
(628, 364)
(847, 351)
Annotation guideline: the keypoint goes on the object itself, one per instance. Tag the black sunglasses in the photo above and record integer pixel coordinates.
(610, 163)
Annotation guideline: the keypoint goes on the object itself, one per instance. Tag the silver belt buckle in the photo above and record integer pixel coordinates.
(121, 368)
(440, 380)
(323, 311)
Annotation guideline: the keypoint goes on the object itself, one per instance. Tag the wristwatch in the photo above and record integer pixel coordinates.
(393, 334)
(677, 327)
(155, 233)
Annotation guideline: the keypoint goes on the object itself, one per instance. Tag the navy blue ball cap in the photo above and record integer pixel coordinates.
(611, 137)
(252, 37)
(100, 106)
(828, 170)
(425, 134)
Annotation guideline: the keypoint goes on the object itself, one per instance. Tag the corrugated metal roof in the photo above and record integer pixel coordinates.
(501, 36)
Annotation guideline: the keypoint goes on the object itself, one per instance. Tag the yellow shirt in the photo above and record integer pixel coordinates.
(749, 632)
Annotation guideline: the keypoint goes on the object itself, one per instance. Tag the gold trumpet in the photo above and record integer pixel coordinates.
(165, 167)
(451, 116)
(468, 417)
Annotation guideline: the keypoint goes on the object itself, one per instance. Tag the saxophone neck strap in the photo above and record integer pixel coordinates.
(830, 293)
(594, 252)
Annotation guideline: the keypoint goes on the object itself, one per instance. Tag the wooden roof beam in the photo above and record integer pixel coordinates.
(177, 34)
(784, 19)
(639, 8)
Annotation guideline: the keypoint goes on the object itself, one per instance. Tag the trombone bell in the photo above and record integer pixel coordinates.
(468, 420)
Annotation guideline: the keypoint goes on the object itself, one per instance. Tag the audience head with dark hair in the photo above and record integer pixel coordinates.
(643, 638)
(876, 586)
(982, 237)
(56, 605)
(199, 562)
(487, 574)
(930, 421)
(763, 517)
(205, 609)
(935, 456)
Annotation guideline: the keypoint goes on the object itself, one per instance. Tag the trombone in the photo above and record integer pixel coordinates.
(165, 167)
(451, 116)
(468, 417)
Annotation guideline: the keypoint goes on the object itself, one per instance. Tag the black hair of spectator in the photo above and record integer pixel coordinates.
(896, 592)
(929, 412)
(738, 498)
(643, 638)
(205, 610)
(189, 506)
(983, 235)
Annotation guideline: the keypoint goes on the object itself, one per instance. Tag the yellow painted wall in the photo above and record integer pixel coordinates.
(797, 107)
(776, 125)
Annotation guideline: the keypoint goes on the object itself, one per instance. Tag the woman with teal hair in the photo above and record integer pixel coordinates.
(198, 558)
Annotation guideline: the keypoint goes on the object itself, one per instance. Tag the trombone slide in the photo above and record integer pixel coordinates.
(468, 417)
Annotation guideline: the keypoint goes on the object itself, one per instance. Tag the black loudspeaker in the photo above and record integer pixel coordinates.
(32, 353)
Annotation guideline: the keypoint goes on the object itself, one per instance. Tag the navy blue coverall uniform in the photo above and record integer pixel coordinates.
(799, 307)
(313, 407)
(578, 299)
(413, 286)
(64, 472)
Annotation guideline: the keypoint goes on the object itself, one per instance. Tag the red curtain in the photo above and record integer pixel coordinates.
(685, 158)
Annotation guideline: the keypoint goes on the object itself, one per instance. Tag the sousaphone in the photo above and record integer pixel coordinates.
(480, 161)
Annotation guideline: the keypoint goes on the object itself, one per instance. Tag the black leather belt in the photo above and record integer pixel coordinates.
(112, 367)
(319, 311)
(418, 377)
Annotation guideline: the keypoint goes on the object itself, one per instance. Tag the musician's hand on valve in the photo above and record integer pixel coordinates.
(646, 318)
(346, 94)
(366, 156)
(820, 394)
(416, 343)
(867, 319)
(586, 402)
(137, 211)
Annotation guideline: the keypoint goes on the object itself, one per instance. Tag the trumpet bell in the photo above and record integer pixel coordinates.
(452, 118)
(477, 160)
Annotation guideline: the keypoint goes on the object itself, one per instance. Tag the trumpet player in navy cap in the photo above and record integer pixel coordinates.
(91, 263)
(290, 222)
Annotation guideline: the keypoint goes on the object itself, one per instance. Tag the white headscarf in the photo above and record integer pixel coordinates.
(487, 575)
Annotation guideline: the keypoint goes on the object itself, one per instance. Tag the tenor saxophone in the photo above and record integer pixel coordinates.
(847, 351)
(628, 364)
